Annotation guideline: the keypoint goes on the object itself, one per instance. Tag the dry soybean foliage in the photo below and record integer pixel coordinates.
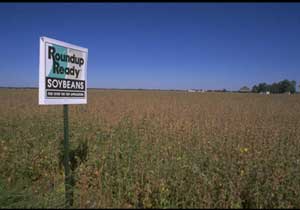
(149, 149)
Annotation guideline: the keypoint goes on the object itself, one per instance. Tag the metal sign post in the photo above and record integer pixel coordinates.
(68, 190)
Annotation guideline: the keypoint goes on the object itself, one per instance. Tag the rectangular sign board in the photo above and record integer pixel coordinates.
(62, 73)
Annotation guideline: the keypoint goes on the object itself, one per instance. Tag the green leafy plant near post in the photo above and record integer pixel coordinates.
(77, 156)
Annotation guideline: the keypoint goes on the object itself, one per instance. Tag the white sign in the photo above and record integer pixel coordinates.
(63, 73)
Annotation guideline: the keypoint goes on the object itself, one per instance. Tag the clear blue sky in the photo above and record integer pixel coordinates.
(157, 45)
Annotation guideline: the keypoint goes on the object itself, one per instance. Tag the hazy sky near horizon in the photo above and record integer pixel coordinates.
(157, 45)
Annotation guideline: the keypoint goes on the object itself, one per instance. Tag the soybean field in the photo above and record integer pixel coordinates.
(152, 149)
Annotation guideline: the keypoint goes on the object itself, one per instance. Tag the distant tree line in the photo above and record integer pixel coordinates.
(276, 87)
(217, 90)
